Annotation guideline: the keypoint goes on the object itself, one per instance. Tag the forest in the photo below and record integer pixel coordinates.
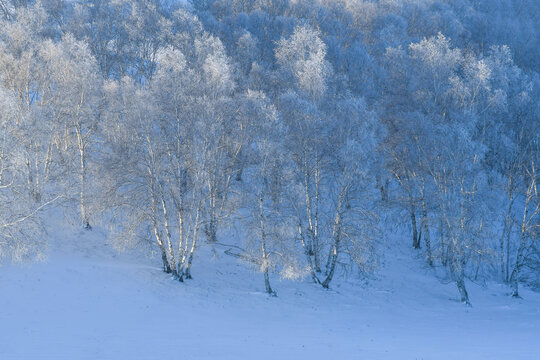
(295, 133)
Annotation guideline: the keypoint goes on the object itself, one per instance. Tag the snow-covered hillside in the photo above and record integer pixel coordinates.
(86, 301)
(374, 162)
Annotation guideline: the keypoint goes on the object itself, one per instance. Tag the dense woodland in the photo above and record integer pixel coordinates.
(309, 127)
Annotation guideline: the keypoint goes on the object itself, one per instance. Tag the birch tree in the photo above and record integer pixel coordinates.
(268, 238)
(75, 95)
(21, 227)
(302, 57)
(133, 167)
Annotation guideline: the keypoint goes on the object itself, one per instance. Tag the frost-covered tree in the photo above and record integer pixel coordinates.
(136, 170)
(268, 236)
(21, 228)
(302, 56)
(74, 96)
(352, 141)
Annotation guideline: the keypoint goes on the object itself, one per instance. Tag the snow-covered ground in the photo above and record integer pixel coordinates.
(86, 301)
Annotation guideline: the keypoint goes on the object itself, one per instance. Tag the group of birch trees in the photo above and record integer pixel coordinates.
(309, 126)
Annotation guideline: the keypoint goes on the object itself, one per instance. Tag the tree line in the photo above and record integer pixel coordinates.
(309, 126)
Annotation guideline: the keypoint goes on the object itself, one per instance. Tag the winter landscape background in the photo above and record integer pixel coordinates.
(261, 179)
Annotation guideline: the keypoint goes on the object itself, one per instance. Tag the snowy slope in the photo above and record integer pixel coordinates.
(86, 301)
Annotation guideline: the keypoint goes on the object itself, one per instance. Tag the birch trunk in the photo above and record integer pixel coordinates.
(506, 234)
(336, 238)
(166, 266)
(157, 233)
(308, 206)
(316, 259)
(172, 262)
(416, 240)
(463, 290)
(308, 257)
(427, 240)
(187, 271)
(82, 179)
(263, 249)
(425, 226)
(444, 258)
(520, 258)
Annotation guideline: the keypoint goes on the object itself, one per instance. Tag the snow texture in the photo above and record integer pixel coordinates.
(86, 301)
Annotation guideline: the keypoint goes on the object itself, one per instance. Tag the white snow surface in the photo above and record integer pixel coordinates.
(87, 301)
